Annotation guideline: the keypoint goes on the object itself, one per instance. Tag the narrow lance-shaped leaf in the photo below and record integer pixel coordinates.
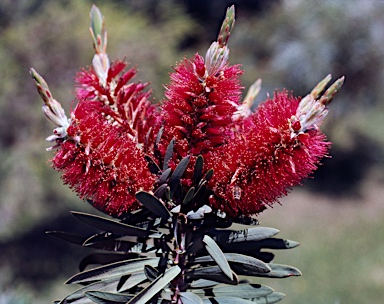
(273, 243)
(247, 262)
(153, 167)
(177, 174)
(189, 196)
(168, 154)
(102, 259)
(113, 226)
(156, 286)
(153, 204)
(159, 192)
(198, 170)
(151, 272)
(216, 254)
(281, 271)
(112, 270)
(163, 177)
(212, 273)
(244, 291)
(203, 283)
(251, 234)
(79, 297)
(131, 281)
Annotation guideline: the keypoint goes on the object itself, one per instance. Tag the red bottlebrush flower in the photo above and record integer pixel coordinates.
(102, 164)
(265, 159)
(198, 110)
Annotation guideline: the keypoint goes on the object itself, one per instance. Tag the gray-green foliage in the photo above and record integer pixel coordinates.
(293, 45)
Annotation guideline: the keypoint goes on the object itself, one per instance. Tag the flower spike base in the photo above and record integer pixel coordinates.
(182, 180)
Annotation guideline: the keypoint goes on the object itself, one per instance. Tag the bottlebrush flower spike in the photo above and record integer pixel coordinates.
(277, 147)
(107, 86)
(103, 166)
(101, 148)
(201, 99)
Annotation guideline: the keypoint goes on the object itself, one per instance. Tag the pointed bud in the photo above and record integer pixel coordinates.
(52, 108)
(97, 29)
(216, 58)
(331, 92)
(226, 27)
(100, 61)
(312, 110)
(244, 110)
(319, 88)
(252, 93)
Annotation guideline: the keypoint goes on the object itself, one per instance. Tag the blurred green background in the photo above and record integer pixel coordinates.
(337, 217)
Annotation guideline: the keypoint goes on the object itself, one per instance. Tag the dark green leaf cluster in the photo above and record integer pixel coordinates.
(186, 255)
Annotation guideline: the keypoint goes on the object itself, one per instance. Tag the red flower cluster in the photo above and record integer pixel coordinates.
(198, 110)
(101, 163)
(257, 157)
(264, 160)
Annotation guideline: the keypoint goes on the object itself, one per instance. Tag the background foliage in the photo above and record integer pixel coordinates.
(291, 44)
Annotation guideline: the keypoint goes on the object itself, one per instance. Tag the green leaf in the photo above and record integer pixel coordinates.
(113, 226)
(247, 262)
(216, 253)
(100, 237)
(227, 300)
(159, 134)
(208, 175)
(102, 258)
(273, 243)
(108, 297)
(168, 154)
(153, 204)
(79, 296)
(281, 271)
(212, 273)
(254, 248)
(189, 196)
(198, 170)
(124, 246)
(152, 166)
(202, 283)
(190, 298)
(69, 237)
(174, 181)
(159, 192)
(251, 234)
(244, 291)
(112, 270)
(133, 280)
(151, 272)
(269, 299)
(157, 285)
(164, 176)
